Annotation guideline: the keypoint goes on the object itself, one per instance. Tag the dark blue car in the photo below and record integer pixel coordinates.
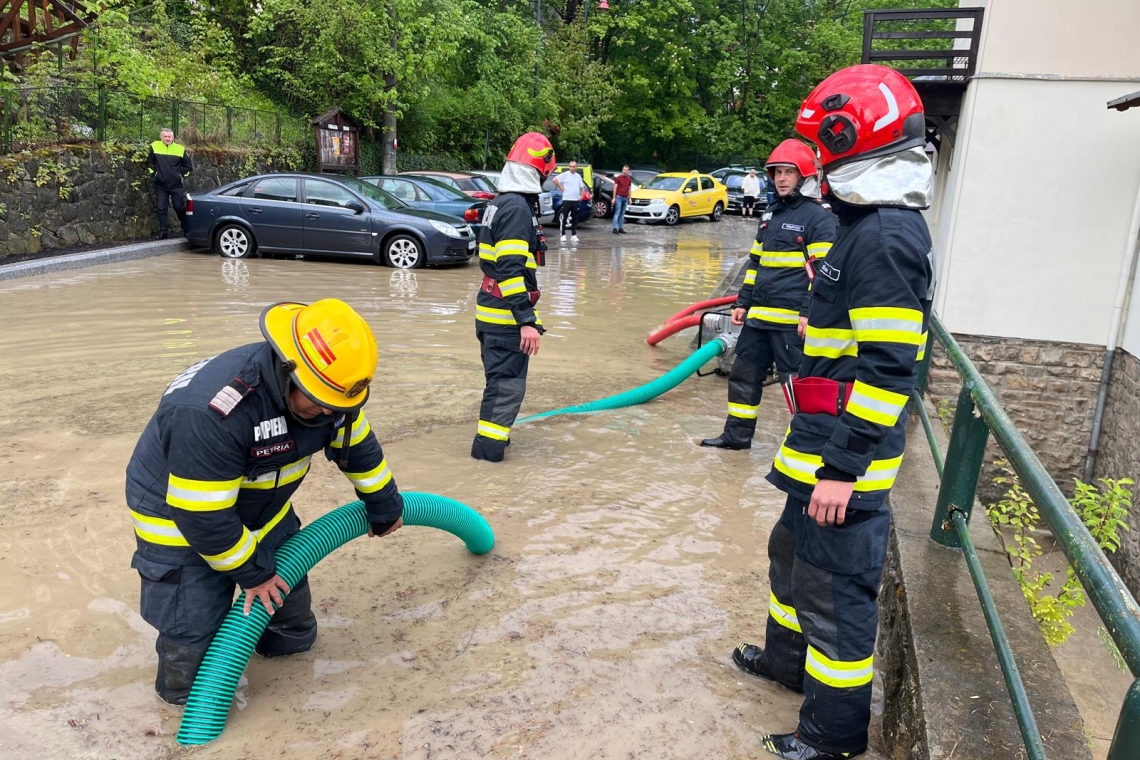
(431, 195)
(326, 215)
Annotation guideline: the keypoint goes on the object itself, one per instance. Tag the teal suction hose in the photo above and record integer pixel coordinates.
(649, 391)
(213, 691)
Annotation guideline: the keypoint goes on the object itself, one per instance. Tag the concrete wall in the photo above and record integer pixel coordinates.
(97, 194)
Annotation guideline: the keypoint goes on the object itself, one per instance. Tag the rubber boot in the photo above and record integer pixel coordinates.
(177, 667)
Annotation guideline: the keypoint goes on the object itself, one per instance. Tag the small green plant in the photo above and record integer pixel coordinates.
(1106, 639)
(37, 232)
(1015, 518)
(945, 412)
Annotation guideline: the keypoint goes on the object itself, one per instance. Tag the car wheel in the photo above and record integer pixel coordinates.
(718, 212)
(405, 252)
(234, 242)
(601, 209)
(672, 216)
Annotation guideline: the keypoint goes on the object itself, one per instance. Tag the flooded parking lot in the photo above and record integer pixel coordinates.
(628, 560)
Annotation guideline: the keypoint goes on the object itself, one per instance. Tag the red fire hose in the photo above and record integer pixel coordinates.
(675, 326)
(702, 305)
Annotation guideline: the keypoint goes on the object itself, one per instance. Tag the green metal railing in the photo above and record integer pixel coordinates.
(978, 415)
(36, 116)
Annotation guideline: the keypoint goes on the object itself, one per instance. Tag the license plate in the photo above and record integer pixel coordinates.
(471, 245)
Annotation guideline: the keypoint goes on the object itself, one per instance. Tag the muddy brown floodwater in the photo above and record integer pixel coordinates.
(628, 561)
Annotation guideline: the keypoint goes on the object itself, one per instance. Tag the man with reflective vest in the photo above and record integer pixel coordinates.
(511, 248)
(794, 234)
(168, 164)
(210, 481)
(864, 337)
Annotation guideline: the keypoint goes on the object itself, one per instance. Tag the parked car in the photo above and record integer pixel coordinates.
(586, 204)
(430, 195)
(642, 174)
(604, 194)
(733, 180)
(545, 199)
(673, 196)
(476, 187)
(321, 214)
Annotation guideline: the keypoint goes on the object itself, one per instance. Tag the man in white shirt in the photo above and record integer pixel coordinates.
(572, 187)
(750, 189)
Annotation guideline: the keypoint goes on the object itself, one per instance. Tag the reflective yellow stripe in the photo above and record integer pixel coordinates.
(782, 259)
(264, 482)
(373, 480)
(831, 343)
(156, 530)
(512, 247)
(202, 495)
(784, 614)
(750, 277)
(487, 252)
(513, 286)
(839, 674)
(530, 261)
(291, 473)
(772, 314)
(236, 556)
(922, 347)
(757, 249)
(159, 530)
(887, 324)
(494, 316)
(876, 405)
(743, 411)
(360, 430)
(491, 430)
(818, 250)
(880, 475)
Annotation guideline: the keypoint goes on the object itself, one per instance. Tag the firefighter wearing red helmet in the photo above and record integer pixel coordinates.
(511, 248)
(795, 233)
(865, 334)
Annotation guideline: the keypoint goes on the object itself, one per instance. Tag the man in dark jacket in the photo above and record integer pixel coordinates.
(511, 249)
(794, 234)
(168, 164)
(210, 481)
(839, 459)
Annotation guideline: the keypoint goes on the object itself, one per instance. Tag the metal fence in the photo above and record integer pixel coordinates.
(977, 416)
(39, 116)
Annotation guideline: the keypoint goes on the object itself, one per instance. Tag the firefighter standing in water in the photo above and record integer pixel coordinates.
(210, 481)
(773, 302)
(511, 248)
(864, 337)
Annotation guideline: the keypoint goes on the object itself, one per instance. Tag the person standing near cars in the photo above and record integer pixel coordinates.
(622, 184)
(750, 188)
(511, 248)
(168, 164)
(572, 187)
(773, 303)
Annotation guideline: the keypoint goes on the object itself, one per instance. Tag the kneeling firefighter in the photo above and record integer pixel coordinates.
(210, 480)
(511, 248)
(864, 337)
(794, 233)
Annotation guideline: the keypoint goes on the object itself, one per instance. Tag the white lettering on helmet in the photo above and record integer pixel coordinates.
(892, 108)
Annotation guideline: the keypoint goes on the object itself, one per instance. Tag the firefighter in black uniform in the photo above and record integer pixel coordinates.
(864, 336)
(511, 248)
(773, 303)
(168, 164)
(210, 480)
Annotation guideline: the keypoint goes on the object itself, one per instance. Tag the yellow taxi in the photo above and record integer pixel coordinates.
(674, 196)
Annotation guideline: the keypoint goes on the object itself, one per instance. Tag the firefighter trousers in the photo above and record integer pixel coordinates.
(504, 367)
(166, 197)
(756, 351)
(187, 604)
(822, 619)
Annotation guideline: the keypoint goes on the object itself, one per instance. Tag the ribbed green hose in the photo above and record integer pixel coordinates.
(647, 392)
(213, 691)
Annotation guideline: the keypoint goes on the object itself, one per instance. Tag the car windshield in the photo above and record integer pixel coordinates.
(489, 182)
(387, 200)
(734, 181)
(665, 183)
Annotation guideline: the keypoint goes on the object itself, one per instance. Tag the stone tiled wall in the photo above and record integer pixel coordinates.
(1119, 455)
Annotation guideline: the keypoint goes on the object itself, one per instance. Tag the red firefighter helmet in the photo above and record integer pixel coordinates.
(861, 112)
(533, 149)
(792, 153)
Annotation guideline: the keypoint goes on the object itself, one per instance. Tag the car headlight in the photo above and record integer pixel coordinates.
(657, 202)
(446, 229)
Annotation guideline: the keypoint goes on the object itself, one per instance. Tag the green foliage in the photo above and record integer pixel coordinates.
(945, 411)
(1015, 519)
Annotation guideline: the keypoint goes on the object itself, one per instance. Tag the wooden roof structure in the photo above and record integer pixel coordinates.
(24, 23)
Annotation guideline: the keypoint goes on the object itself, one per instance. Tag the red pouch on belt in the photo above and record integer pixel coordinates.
(491, 285)
(818, 395)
